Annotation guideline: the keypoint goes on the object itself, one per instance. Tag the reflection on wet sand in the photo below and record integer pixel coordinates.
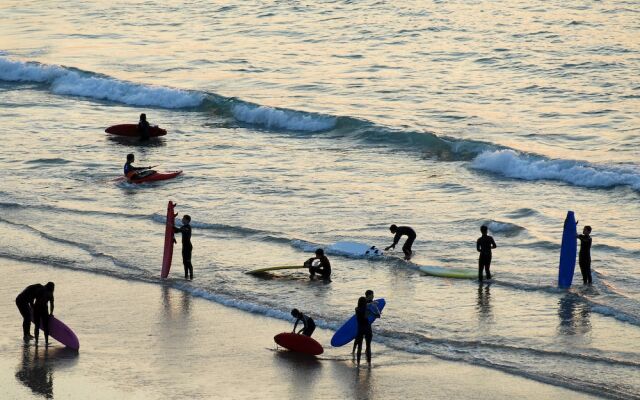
(37, 366)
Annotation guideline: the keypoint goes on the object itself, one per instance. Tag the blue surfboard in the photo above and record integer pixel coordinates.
(349, 330)
(568, 252)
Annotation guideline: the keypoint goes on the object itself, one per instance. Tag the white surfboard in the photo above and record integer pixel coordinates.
(354, 249)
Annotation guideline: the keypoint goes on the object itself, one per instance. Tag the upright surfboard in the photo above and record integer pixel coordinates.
(298, 343)
(168, 240)
(568, 251)
(349, 330)
(62, 333)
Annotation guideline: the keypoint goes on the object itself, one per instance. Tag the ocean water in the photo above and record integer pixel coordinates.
(300, 124)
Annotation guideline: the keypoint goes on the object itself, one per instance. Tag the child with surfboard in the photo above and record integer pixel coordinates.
(308, 325)
(484, 245)
(187, 247)
(400, 231)
(584, 257)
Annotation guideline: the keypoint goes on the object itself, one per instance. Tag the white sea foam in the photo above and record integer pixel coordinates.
(69, 82)
(274, 118)
(512, 164)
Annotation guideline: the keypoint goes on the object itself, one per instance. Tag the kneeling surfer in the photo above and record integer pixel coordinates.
(308, 324)
(323, 268)
(187, 247)
(131, 172)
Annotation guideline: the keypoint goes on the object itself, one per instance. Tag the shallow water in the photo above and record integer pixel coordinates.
(299, 125)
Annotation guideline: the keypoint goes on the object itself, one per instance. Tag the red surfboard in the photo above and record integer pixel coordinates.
(156, 176)
(299, 343)
(132, 130)
(168, 240)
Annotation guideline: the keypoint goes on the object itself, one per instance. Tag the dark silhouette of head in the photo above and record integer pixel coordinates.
(296, 313)
(484, 229)
(186, 218)
(368, 294)
(393, 228)
(362, 302)
(50, 286)
(587, 229)
(143, 117)
(319, 253)
(131, 157)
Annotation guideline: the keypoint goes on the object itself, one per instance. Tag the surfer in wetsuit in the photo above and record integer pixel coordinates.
(187, 247)
(323, 268)
(308, 324)
(41, 313)
(364, 329)
(400, 231)
(373, 309)
(484, 245)
(25, 301)
(143, 127)
(132, 172)
(584, 258)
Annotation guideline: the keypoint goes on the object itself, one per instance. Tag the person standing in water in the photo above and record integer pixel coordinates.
(584, 258)
(372, 306)
(41, 313)
(187, 247)
(143, 127)
(308, 325)
(484, 245)
(323, 269)
(25, 301)
(364, 329)
(400, 231)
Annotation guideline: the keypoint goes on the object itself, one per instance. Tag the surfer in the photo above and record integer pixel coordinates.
(373, 309)
(400, 231)
(484, 245)
(25, 301)
(308, 324)
(364, 329)
(323, 268)
(187, 247)
(132, 172)
(143, 127)
(41, 313)
(584, 258)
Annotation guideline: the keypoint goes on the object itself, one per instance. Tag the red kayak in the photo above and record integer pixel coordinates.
(299, 343)
(156, 176)
(132, 130)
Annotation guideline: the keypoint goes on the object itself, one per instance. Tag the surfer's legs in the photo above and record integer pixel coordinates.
(309, 330)
(368, 336)
(23, 307)
(585, 269)
(186, 260)
(358, 344)
(484, 263)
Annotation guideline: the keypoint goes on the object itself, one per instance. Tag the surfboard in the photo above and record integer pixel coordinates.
(568, 251)
(298, 343)
(62, 333)
(168, 240)
(268, 269)
(349, 329)
(457, 273)
(131, 130)
(354, 249)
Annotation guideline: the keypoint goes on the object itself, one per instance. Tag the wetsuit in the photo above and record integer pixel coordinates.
(372, 308)
(41, 312)
(364, 332)
(25, 301)
(187, 248)
(484, 245)
(309, 325)
(324, 269)
(411, 237)
(584, 258)
(143, 129)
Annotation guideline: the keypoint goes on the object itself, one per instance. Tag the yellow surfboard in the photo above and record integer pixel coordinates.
(456, 273)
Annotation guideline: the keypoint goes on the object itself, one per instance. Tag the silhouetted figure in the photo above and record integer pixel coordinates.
(584, 258)
(41, 313)
(187, 247)
(484, 245)
(364, 329)
(308, 325)
(143, 127)
(372, 306)
(132, 172)
(400, 231)
(323, 268)
(25, 301)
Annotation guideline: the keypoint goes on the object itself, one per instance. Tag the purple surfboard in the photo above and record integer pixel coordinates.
(62, 333)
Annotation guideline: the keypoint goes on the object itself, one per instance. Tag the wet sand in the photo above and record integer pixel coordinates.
(141, 340)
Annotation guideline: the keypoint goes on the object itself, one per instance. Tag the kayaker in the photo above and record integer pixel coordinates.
(132, 172)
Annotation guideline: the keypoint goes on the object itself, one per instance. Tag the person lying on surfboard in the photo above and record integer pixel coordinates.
(308, 324)
(373, 309)
(187, 247)
(132, 172)
(400, 231)
(323, 268)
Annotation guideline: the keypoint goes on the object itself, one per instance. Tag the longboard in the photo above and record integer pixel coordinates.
(168, 240)
(568, 251)
(267, 269)
(355, 249)
(457, 273)
(349, 329)
(62, 333)
(298, 343)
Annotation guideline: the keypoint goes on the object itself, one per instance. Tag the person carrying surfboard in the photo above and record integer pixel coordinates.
(187, 247)
(400, 231)
(364, 329)
(484, 245)
(373, 309)
(25, 301)
(308, 325)
(132, 172)
(584, 257)
(41, 313)
(323, 268)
